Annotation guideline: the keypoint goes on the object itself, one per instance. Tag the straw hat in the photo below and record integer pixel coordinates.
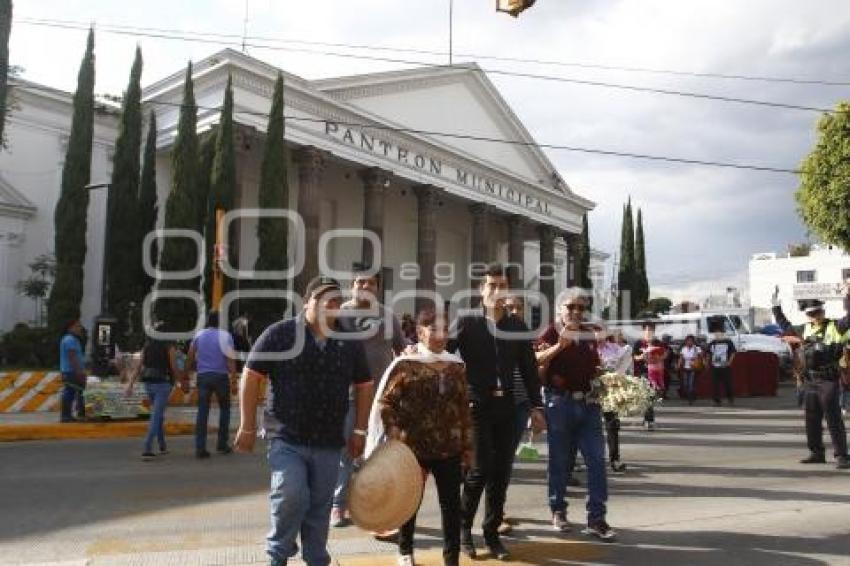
(386, 491)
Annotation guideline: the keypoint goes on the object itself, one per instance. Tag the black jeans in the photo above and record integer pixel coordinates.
(722, 376)
(210, 384)
(447, 474)
(612, 432)
(494, 432)
(822, 400)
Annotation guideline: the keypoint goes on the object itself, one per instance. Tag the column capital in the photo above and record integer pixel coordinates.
(516, 220)
(310, 157)
(480, 208)
(427, 193)
(374, 177)
(547, 233)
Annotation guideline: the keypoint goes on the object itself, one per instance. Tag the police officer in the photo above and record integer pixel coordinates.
(823, 344)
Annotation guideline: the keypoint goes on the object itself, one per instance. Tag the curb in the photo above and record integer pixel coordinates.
(81, 431)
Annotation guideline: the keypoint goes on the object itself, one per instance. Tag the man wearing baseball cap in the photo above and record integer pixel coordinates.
(823, 342)
(310, 368)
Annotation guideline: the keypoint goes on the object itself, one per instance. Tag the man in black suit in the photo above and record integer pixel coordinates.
(483, 341)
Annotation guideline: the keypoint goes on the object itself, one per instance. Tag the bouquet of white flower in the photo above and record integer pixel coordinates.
(626, 395)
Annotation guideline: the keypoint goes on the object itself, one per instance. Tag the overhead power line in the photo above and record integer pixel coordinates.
(626, 87)
(472, 137)
(471, 55)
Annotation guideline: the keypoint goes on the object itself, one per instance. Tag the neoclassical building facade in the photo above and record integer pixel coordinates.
(410, 156)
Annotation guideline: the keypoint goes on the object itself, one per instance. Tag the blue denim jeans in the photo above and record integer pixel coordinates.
(346, 464)
(689, 384)
(210, 384)
(72, 394)
(158, 393)
(302, 487)
(576, 422)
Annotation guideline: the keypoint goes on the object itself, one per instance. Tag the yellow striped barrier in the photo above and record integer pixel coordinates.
(38, 391)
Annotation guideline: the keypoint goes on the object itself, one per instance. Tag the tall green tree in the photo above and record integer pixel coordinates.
(70, 215)
(148, 211)
(626, 273)
(823, 196)
(271, 232)
(641, 292)
(181, 254)
(5, 32)
(583, 263)
(123, 205)
(222, 187)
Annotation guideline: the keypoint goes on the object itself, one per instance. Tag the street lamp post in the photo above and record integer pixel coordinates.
(103, 349)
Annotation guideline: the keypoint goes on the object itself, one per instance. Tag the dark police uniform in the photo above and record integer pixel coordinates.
(823, 347)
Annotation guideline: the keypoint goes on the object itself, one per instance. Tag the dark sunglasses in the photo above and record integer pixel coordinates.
(574, 307)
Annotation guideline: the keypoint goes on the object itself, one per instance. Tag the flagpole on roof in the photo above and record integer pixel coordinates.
(451, 30)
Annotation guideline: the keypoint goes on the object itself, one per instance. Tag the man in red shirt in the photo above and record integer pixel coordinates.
(568, 363)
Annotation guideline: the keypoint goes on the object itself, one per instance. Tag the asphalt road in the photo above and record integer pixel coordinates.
(710, 486)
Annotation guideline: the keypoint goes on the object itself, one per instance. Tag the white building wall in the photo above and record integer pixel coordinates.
(37, 132)
(828, 264)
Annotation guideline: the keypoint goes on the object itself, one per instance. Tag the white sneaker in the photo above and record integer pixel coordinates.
(405, 560)
(560, 523)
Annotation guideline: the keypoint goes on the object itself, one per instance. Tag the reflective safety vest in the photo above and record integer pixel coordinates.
(827, 334)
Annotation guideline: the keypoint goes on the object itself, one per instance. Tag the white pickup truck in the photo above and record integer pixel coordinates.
(734, 326)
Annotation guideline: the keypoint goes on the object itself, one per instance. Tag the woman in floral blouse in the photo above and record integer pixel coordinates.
(422, 401)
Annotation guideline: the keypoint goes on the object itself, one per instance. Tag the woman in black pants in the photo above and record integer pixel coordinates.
(422, 401)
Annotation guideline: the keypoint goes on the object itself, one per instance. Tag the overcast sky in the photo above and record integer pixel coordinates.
(702, 223)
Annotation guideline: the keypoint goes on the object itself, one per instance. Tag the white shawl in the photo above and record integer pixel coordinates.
(423, 355)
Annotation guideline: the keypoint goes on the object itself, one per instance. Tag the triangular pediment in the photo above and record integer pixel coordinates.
(13, 202)
(457, 100)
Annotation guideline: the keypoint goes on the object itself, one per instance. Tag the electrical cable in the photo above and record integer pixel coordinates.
(535, 76)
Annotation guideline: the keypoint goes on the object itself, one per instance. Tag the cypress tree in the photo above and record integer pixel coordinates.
(641, 282)
(70, 215)
(148, 212)
(123, 205)
(583, 277)
(271, 232)
(626, 274)
(5, 32)
(180, 254)
(205, 162)
(222, 187)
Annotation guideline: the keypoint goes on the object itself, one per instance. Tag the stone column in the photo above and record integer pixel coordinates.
(573, 242)
(547, 265)
(480, 237)
(427, 197)
(375, 183)
(516, 251)
(311, 163)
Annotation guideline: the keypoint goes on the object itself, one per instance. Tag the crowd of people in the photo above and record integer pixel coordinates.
(345, 376)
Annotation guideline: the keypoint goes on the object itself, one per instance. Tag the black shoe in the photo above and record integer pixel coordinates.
(148, 456)
(498, 551)
(68, 420)
(224, 450)
(467, 546)
(600, 530)
(617, 466)
(842, 463)
(814, 458)
(164, 452)
(201, 454)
